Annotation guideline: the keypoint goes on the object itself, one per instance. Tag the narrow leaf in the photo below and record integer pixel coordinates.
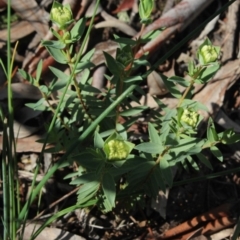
(149, 147)
(153, 134)
(166, 170)
(216, 152)
(204, 160)
(57, 54)
(109, 189)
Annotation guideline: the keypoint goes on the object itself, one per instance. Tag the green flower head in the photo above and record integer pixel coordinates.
(124, 56)
(61, 15)
(145, 9)
(207, 53)
(117, 149)
(190, 117)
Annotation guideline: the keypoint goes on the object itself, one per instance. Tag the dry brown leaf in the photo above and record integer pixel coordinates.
(18, 30)
(49, 233)
(21, 131)
(21, 91)
(27, 144)
(33, 13)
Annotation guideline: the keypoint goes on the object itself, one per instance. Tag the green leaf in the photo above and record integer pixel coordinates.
(133, 111)
(211, 132)
(59, 74)
(150, 147)
(121, 131)
(138, 174)
(193, 105)
(215, 151)
(184, 145)
(229, 137)
(207, 73)
(130, 164)
(181, 81)
(98, 141)
(89, 160)
(191, 67)
(166, 170)
(57, 85)
(151, 35)
(57, 54)
(39, 105)
(109, 190)
(78, 29)
(53, 44)
(156, 182)
(151, 187)
(193, 163)
(87, 57)
(85, 178)
(125, 41)
(145, 9)
(39, 70)
(172, 88)
(204, 160)
(27, 76)
(85, 76)
(84, 65)
(87, 191)
(71, 175)
(133, 79)
(153, 134)
(43, 89)
(112, 64)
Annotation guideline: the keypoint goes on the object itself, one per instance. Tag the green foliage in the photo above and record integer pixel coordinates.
(86, 120)
(145, 9)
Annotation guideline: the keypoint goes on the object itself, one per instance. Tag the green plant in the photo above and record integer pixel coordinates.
(86, 121)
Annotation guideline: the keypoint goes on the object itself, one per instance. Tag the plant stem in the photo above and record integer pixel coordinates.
(185, 93)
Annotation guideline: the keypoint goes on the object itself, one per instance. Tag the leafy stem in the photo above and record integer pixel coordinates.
(75, 83)
(188, 89)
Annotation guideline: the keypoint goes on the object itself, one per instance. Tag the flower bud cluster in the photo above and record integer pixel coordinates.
(190, 117)
(209, 53)
(61, 15)
(117, 149)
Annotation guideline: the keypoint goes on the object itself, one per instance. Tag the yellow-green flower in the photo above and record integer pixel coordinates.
(190, 117)
(61, 15)
(207, 53)
(117, 149)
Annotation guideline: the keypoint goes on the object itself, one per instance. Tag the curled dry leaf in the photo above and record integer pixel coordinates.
(115, 23)
(21, 91)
